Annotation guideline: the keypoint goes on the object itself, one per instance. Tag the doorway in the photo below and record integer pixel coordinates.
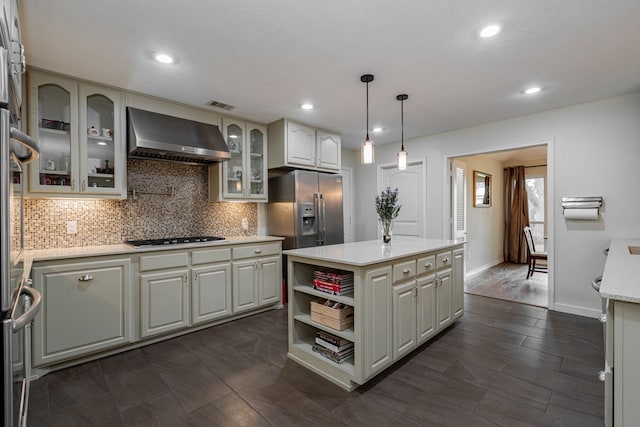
(482, 225)
(411, 195)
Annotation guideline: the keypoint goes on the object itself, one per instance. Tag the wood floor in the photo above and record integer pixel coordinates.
(508, 281)
(502, 364)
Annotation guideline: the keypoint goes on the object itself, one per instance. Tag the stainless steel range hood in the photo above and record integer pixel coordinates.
(157, 136)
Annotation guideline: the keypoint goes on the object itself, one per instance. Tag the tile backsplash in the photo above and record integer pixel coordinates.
(149, 216)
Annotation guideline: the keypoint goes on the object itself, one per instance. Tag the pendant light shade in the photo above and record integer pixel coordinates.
(402, 155)
(367, 145)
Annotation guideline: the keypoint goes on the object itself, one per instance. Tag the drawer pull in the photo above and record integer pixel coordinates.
(406, 271)
(258, 251)
(428, 265)
(85, 278)
(445, 260)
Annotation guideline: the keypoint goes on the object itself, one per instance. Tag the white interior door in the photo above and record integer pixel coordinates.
(459, 199)
(347, 203)
(411, 194)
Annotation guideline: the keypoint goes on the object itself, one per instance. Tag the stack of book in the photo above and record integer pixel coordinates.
(332, 347)
(336, 283)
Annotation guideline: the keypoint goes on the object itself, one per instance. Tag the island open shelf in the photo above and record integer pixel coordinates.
(402, 295)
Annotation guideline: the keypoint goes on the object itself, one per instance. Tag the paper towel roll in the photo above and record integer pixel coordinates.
(581, 214)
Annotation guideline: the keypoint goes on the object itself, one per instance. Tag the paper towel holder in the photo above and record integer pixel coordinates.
(591, 202)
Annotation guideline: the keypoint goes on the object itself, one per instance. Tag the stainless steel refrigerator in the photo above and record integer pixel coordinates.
(20, 303)
(306, 209)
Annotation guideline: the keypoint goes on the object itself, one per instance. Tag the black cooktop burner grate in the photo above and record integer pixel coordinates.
(173, 241)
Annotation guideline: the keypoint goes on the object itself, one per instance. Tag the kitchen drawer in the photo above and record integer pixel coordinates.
(209, 256)
(404, 270)
(443, 260)
(253, 251)
(426, 265)
(164, 261)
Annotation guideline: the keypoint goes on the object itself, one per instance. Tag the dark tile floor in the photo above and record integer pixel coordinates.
(502, 364)
(508, 281)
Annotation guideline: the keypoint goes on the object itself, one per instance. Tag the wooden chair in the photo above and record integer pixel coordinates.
(533, 255)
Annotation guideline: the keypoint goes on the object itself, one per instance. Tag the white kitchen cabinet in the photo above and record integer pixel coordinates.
(295, 145)
(244, 176)
(86, 307)
(164, 292)
(257, 273)
(378, 320)
(404, 319)
(164, 302)
(210, 285)
(443, 299)
(81, 133)
(457, 279)
(426, 313)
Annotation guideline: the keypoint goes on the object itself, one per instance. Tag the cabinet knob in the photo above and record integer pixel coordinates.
(406, 271)
(428, 265)
(258, 251)
(602, 376)
(445, 260)
(603, 318)
(85, 278)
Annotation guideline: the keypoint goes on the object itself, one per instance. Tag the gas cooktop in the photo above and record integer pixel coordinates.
(173, 241)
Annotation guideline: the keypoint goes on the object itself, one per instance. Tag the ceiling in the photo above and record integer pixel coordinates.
(267, 58)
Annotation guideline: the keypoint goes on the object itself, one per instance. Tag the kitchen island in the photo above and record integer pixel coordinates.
(389, 300)
(621, 287)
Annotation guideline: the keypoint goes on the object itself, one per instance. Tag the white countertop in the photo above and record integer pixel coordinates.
(621, 278)
(87, 251)
(372, 251)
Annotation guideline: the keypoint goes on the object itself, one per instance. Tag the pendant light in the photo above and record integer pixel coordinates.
(402, 155)
(367, 145)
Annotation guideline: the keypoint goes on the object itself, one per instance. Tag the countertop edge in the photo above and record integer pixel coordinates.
(35, 255)
(621, 276)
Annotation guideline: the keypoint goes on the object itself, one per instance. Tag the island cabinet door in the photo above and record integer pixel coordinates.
(404, 319)
(426, 307)
(457, 283)
(443, 299)
(378, 332)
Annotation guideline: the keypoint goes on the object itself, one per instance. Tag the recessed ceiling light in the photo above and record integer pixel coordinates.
(532, 90)
(307, 106)
(376, 130)
(163, 58)
(490, 31)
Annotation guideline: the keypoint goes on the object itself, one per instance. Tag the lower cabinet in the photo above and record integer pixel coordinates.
(164, 302)
(378, 306)
(443, 310)
(458, 280)
(210, 292)
(257, 273)
(86, 307)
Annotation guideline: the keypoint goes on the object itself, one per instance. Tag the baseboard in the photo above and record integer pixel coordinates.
(580, 311)
(482, 268)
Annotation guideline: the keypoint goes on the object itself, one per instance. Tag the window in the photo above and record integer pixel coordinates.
(537, 209)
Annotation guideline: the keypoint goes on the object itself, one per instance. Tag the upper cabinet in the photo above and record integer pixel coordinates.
(294, 145)
(80, 131)
(244, 175)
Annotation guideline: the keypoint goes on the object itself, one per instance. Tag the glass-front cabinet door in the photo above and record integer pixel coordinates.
(80, 132)
(256, 161)
(53, 109)
(101, 137)
(233, 169)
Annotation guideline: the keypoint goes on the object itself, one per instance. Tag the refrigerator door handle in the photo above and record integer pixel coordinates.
(319, 208)
(31, 312)
(324, 217)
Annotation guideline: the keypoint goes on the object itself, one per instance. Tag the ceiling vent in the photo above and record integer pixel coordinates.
(222, 105)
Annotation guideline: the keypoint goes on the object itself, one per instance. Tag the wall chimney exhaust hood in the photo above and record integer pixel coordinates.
(155, 136)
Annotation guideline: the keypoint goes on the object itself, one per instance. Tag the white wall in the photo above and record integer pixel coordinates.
(595, 150)
(485, 226)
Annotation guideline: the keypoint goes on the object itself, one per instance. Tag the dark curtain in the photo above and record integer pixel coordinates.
(516, 215)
